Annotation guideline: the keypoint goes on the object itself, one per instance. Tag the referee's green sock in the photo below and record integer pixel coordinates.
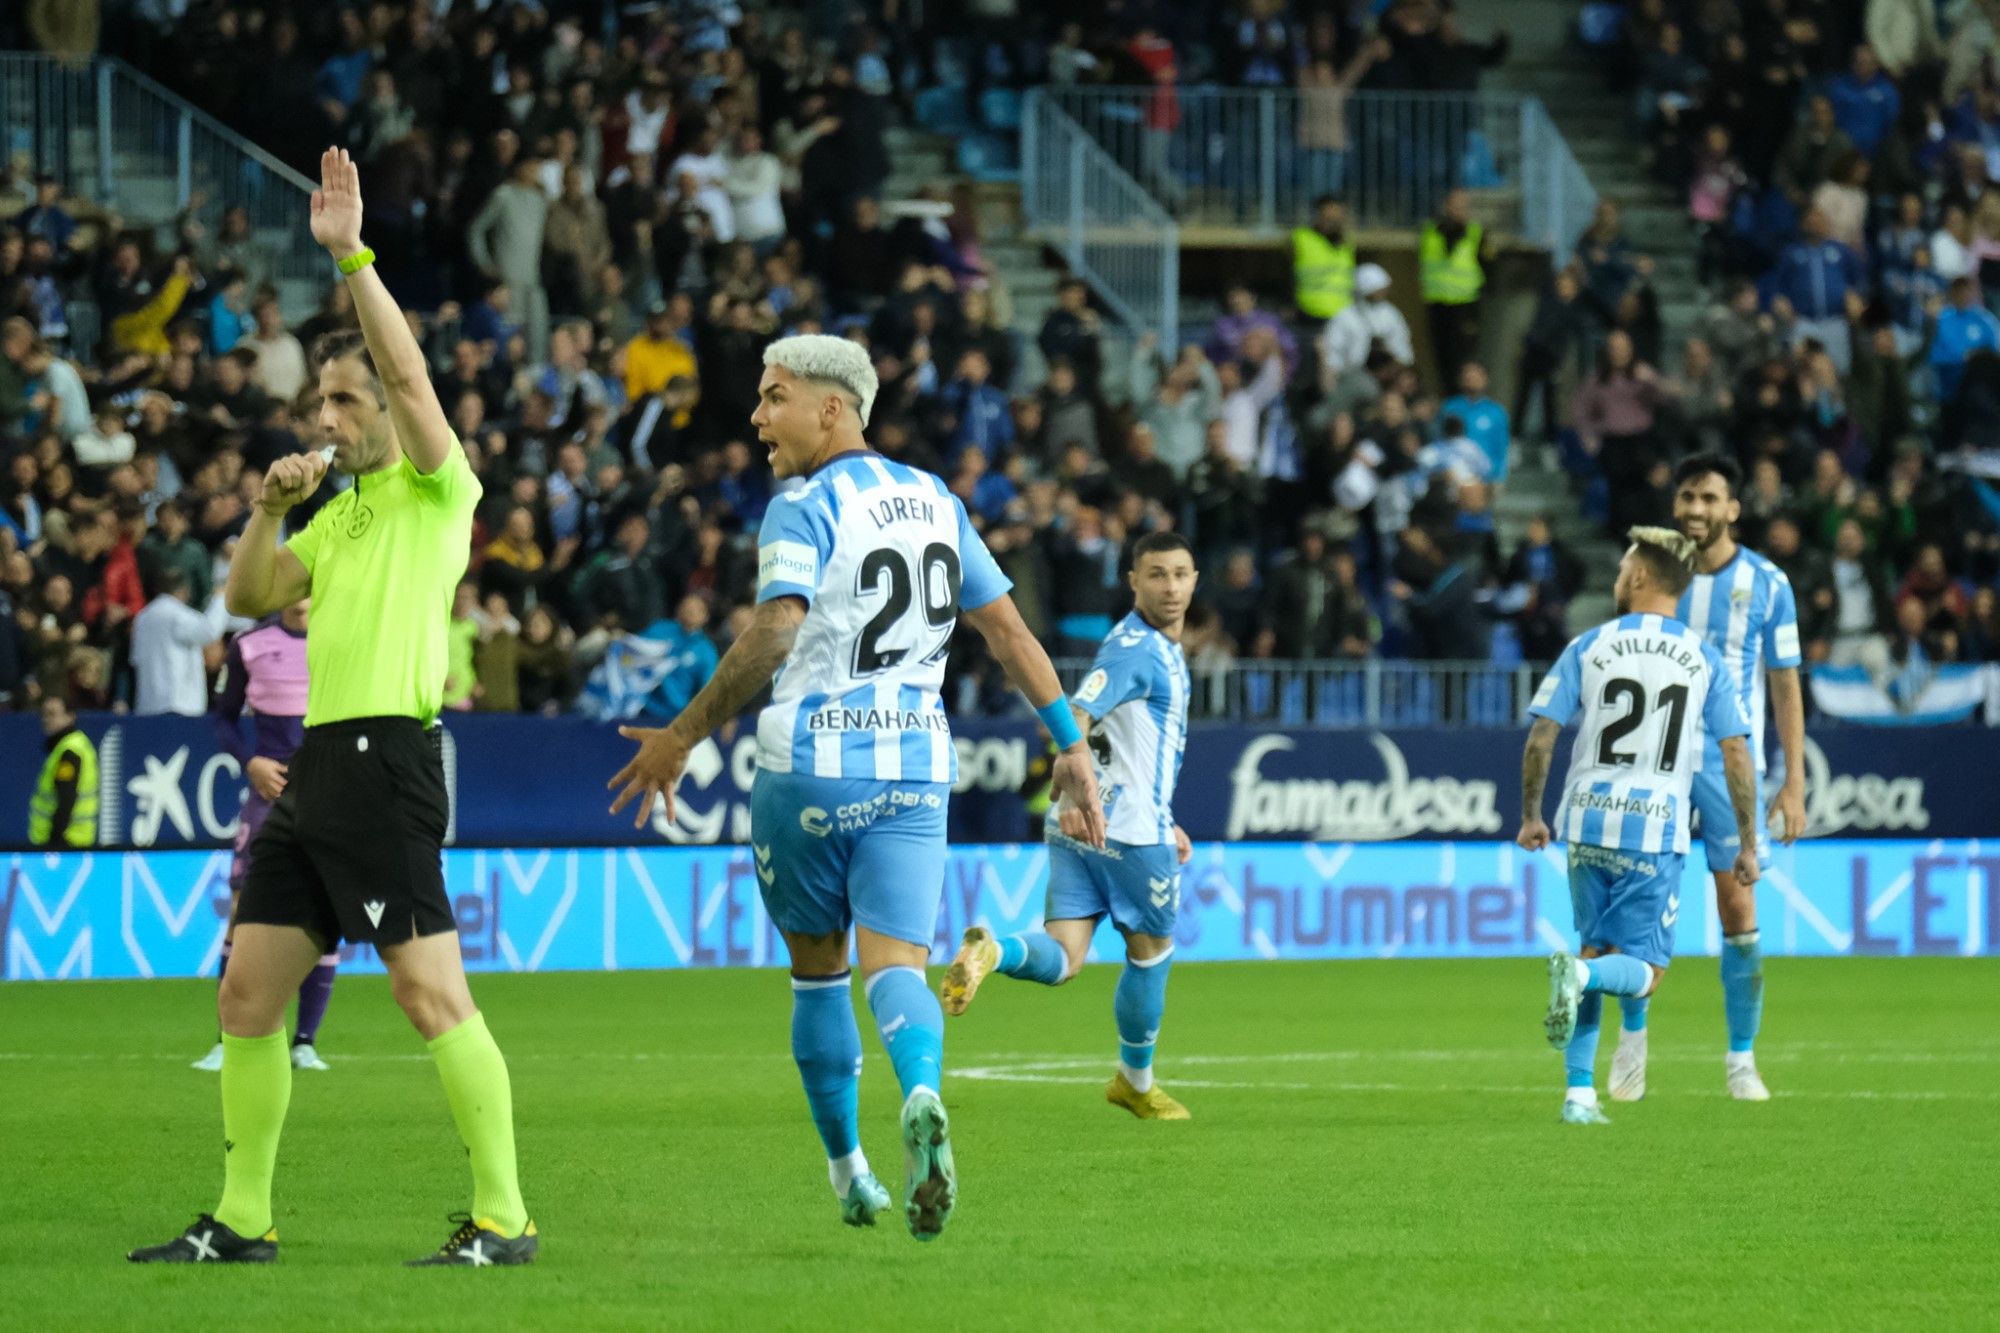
(482, 1102)
(256, 1089)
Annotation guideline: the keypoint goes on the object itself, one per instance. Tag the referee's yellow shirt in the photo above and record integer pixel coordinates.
(385, 556)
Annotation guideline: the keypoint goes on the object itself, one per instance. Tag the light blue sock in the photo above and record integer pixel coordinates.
(1633, 1009)
(1034, 957)
(1580, 1056)
(827, 1047)
(912, 1026)
(1617, 974)
(1138, 1004)
(1742, 988)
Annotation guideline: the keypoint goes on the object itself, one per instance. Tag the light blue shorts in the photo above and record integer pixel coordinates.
(1140, 887)
(1715, 819)
(1627, 901)
(831, 852)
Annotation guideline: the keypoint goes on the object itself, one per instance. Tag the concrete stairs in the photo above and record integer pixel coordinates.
(1544, 63)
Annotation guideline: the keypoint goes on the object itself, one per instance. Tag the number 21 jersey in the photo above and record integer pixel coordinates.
(1650, 691)
(884, 557)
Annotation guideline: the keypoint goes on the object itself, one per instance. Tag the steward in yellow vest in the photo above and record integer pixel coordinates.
(63, 810)
(1323, 262)
(1451, 257)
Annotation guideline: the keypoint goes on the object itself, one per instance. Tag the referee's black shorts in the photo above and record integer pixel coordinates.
(353, 849)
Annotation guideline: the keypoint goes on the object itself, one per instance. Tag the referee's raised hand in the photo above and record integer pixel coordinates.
(290, 480)
(336, 204)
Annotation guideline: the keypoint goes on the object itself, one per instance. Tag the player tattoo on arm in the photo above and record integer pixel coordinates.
(1742, 780)
(744, 670)
(1535, 760)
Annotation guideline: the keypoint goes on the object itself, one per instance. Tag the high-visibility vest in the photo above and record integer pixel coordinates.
(1322, 274)
(76, 750)
(1454, 276)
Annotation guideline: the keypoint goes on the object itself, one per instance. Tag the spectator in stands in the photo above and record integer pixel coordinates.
(1814, 278)
(1226, 336)
(1250, 388)
(1811, 577)
(1312, 613)
(505, 242)
(1140, 470)
(46, 217)
(168, 642)
(1865, 101)
(1483, 420)
(1158, 66)
(620, 588)
(1176, 406)
(1903, 34)
(754, 182)
(1809, 154)
(977, 414)
(657, 357)
(576, 245)
(1549, 346)
(280, 369)
(1546, 575)
(1370, 321)
(1615, 415)
(1610, 264)
(1072, 332)
(170, 550)
(462, 631)
(691, 657)
(1861, 604)
(1962, 328)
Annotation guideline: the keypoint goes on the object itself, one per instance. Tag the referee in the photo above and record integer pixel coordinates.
(351, 850)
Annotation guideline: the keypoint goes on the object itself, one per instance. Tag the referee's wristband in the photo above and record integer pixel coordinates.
(355, 262)
(1060, 721)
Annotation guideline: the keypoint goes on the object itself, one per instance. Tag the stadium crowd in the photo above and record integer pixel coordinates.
(607, 214)
(1838, 166)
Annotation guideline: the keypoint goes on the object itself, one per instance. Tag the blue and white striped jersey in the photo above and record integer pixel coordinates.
(1137, 695)
(1652, 692)
(1745, 611)
(884, 557)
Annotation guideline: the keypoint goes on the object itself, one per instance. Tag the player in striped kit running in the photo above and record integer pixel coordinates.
(1134, 704)
(1651, 693)
(862, 574)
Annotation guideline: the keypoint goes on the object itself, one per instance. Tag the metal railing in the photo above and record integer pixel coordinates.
(1557, 198)
(117, 138)
(1111, 232)
(1257, 158)
(1353, 694)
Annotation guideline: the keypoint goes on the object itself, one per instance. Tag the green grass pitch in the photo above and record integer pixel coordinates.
(1375, 1145)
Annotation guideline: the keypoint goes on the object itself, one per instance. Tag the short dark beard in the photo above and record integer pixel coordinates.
(1716, 532)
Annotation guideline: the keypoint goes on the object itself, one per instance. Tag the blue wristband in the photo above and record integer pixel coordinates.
(1060, 721)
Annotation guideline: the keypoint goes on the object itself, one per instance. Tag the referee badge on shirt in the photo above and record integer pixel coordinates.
(358, 520)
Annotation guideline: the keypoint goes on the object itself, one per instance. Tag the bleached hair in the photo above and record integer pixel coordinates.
(1678, 546)
(1668, 554)
(834, 362)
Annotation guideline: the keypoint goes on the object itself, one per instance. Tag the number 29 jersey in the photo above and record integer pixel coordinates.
(884, 557)
(1651, 693)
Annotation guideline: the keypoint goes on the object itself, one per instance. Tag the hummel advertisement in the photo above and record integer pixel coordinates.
(539, 782)
(157, 914)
